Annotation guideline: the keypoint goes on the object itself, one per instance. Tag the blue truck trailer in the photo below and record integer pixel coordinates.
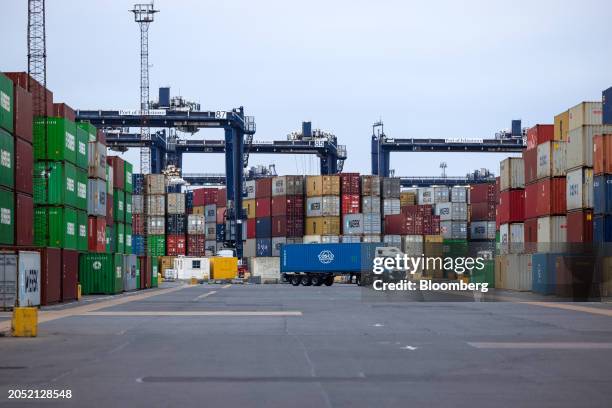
(317, 264)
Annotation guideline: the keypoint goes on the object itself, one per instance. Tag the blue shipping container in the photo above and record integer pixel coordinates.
(602, 194)
(544, 273)
(357, 257)
(138, 245)
(137, 183)
(189, 200)
(606, 98)
(220, 232)
(264, 246)
(263, 227)
(602, 228)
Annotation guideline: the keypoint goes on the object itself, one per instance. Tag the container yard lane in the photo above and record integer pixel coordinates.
(279, 345)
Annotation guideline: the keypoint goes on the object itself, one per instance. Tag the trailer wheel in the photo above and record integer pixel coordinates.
(285, 278)
(306, 280)
(317, 280)
(329, 280)
(296, 279)
(358, 280)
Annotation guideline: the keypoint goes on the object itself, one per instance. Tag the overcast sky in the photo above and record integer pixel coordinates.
(428, 69)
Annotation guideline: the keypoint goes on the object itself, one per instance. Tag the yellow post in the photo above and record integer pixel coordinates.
(160, 279)
(24, 322)
(194, 281)
(79, 291)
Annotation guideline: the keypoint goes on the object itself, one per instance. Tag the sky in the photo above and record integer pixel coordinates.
(427, 69)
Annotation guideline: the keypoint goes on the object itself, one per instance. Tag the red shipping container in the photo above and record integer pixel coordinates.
(295, 226)
(350, 184)
(263, 188)
(402, 224)
(263, 207)
(205, 196)
(580, 226)
(532, 193)
(602, 154)
(220, 215)
(64, 111)
(539, 134)
(221, 197)
(24, 162)
(482, 211)
(22, 117)
(251, 228)
(24, 215)
(70, 274)
(109, 210)
(146, 268)
(196, 245)
(511, 206)
(50, 275)
(96, 234)
(22, 79)
(530, 233)
(284, 205)
(482, 193)
(175, 245)
(279, 226)
(138, 224)
(101, 137)
(118, 171)
(550, 198)
(530, 161)
(350, 204)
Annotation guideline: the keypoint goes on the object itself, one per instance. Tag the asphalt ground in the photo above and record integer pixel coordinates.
(280, 346)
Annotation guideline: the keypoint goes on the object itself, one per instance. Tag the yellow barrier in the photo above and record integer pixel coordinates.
(24, 322)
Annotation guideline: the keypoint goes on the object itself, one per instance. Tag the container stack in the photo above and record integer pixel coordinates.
(453, 214)
(119, 203)
(323, 208)
(599, 227)
(511, 210)
(545, 186)
(176, 224)
(371, 208)
(287, 211)
(96, 190)
(205, 203)
(155, 210)
(248, 211)
(138, 215)
(391, 206)
(263, 220)
(352, 218)
(483, 201)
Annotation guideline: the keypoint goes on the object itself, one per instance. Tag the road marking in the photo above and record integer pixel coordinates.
(49, 315)
(225, 313)
(203, 295)
(226, 286)
(411, 348)
(575, 308)
(541, 345)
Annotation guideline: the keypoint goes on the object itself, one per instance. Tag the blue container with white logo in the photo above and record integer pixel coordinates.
(330, 258)
(544, 273)
(602, 194)
(263, 247)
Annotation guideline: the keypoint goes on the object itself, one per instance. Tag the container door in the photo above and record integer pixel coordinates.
(8, 281)
(29, 279)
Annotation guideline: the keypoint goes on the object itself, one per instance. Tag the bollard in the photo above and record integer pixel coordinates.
(24, 322)
(194, 281)
(78, 292)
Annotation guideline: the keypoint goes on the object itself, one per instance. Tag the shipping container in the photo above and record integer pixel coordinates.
(263, 247)
(263, 187)
(483, 211)
(325, 206)
(248, 192)
(210, 231)
(276, 243)
(155, 204)
(350, 204)
(24, 213)
(81, 231)
(155, 184)
(550, 198)
(128, 239)
(263, 227)
(561, 126)
(602, 194)
(393, 241)
(602, 153)
(118, 167)
(138, 226)
(286, 205)
(96, 234)
(82, 142)
(7, 159)
(248, 207)
(262, 207)
(156, 225)
(70, 274)
(23, 80)
(176, 244)
(512, 173)
(220, 233)
(156, 245)
(352, 224)
(210, 213)
(59, 143)
(267, 269)
(412, 245)
(339, 258)
(551, 230)
(531, 234)
(322, 226)
(482, 193)
(23, 117)
(559, 159)
(195, 224)
(530, 161)
(110, 238)
(64, 111)
(128, 208)
(138, 184)
(24, 166)
(516, 273)
(579, 188)
(176, 224)
(127, 177)
(482, 230)
(407, 198)
(372, 224)
(55, 227)
(176, 203)
(350, 239)
(118, 205)
(101, 273)
(350, 183)
(512, 237)
(131, 273)
(391, 206)
(585, 113)
(511, 206)
(539, 134)
(370, 238)
(119, 231)
(441, 194)
(452, 211)
(580, 145)
(55, 183)
(7, 105)
(390, 187)
(459, 194)
(602, 228)
(196, 245)
(544, 169)
(51, 276)
(251, 225)
(92, 132)
(453, 229)
(425, 196)
(580, 226)
(138, 245)
(81, 189)
(544, 273)
(370, 204)
(370, 186)
(192, 268)
(287, 185)
(147, 265)
(221, 214)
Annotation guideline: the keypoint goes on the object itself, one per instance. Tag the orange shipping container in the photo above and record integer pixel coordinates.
(561, 126)
(602, 154)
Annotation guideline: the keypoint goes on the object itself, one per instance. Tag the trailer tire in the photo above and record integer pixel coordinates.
(306, 280)
(329, 280)
(296, 280)
(317, 280)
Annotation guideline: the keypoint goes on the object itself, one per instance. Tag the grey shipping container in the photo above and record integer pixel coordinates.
(249, 189)
(156, 204)
(352, 224)
(276, 244)
(156, 225)
(175, 203)
(287, 185)
(210, 213)
(210, 245)
(511, 173)
(210, 230)
(559, 159)
(350, 239)
(390, 187)
(412, 245)
(441, 194)
(130, 272)
(137, 204)
(330, 239)
(323, 206)
(459, 194)
(195, 224)
(393, 241)
(370, 204)
(371, 238)
(372, 224)
(391, 206)
(425, 195)
(482, 230)
(96, 160)
(452, 211)
(249, 249)
(155, 184)
(96, 197)
(453, 229)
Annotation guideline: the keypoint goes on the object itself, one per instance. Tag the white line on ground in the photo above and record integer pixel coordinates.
(225, 313)
(226, 286)
(541, 345)
(203, 295)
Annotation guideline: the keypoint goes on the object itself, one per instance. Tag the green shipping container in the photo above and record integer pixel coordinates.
(109, 180)
(82, 140)
(128, 239)
(154, 271)
(92, 133)
(81, 189)
(55, 227)
(101, 273)
(7, 217)
(156, 245)
(55, 183)
(60, 143)
(455, 247)
(127, 171)
(138, 272)
(6, 103)
(119, 205)
(119, 237)
(110, 240)
(7, 159)
(82, 235)
(128, 208)
(486, 275)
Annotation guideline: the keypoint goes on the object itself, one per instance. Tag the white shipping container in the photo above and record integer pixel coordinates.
(330, 239)
(393, 241)
(441, 194)
(311, 239)
(579, 188)
(249, 190)
(350, 239)
(188, 268)
(580, 145)
(452, 211)
(267, 268)
(176, 203)
(512, 238)
(425, 195)
(96, 160)
(195, 224)
(352, 224)
(250, 248)
(459, 194)
(20, 279)
(412, 245)
(371, 238)
(453, 229)
(512, 173)
(585, 113)
(372, 224)
(518, 272)
(559, 160)
(482, 230)
(552, 229)
(96, 197)
(137, 204)
(544, 166)
(287, 185)
(391, 206)
(370, 204)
